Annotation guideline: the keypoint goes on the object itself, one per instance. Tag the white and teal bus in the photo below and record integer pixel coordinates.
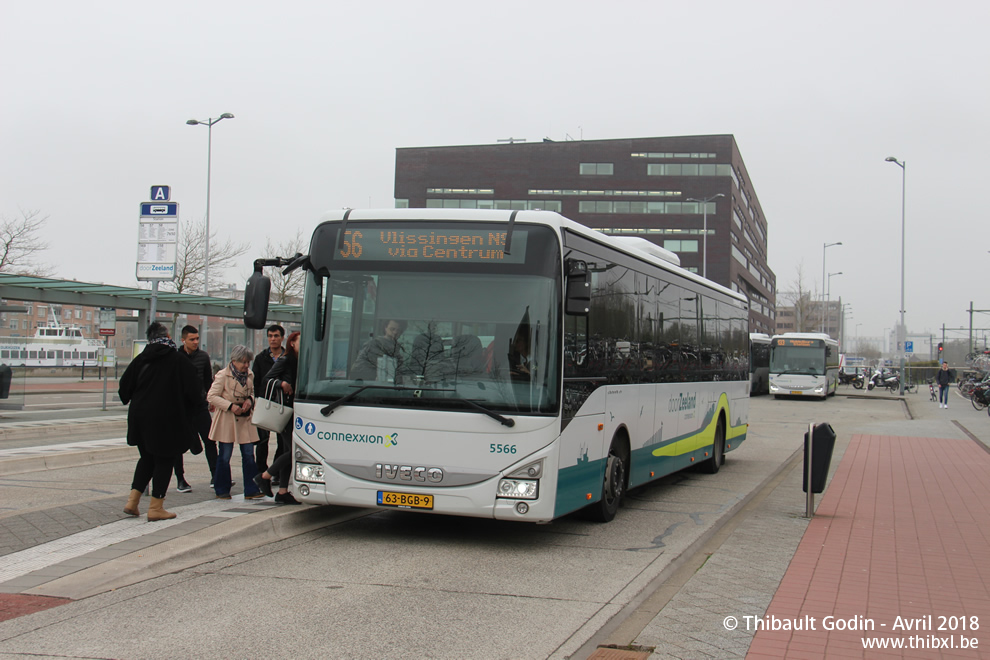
(803, 364)
(510, 365)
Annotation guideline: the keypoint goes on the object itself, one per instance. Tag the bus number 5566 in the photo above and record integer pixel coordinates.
(502, 449)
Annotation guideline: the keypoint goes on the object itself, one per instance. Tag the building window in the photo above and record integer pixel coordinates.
(402, 203)
(497, 204)
(670, 154)
(687, 169)
(601, 169)
(681, 246)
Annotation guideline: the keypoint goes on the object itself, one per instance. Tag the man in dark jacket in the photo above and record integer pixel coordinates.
(160, 386)
(263, 363)
(201, 419)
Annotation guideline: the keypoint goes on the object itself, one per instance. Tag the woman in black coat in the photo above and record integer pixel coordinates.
(161, 387)
(283, 374)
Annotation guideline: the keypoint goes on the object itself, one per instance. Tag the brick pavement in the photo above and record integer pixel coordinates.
(15, 605)
(902, 531)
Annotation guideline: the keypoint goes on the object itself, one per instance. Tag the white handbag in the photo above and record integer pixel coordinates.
(270, 411)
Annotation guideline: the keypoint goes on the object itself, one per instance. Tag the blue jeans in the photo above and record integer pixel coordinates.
(221, 478)
(943, 394)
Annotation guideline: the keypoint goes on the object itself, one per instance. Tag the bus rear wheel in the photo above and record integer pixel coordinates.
(712, 465)
(613, 485)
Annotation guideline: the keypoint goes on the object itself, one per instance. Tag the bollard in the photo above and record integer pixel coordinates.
(818, 445)
(809, 505)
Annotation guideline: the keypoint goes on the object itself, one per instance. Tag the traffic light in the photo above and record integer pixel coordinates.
(940, 349)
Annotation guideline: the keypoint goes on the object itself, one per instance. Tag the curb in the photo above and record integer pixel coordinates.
(117, 427)
(200, 547)
(68, 459)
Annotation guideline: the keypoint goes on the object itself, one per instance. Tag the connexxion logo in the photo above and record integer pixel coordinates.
(366, 438)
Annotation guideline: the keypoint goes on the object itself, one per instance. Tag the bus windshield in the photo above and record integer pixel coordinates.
(440, 335)
(790, 359)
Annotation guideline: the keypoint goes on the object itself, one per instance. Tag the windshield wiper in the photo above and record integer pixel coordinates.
(504, 421)
(328, 410)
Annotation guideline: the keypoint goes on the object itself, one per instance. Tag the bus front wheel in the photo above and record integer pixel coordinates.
(613, 484)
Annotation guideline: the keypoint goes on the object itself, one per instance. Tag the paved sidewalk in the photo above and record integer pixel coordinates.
(922, 473)
(897, 551)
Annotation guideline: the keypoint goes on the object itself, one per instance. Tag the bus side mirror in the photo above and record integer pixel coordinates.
(578, 298)
(256, 294)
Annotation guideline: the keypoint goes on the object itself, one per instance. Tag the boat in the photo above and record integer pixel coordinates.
(53, 345)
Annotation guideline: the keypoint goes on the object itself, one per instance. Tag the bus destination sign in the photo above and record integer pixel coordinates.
(447, 245)
(799, 342)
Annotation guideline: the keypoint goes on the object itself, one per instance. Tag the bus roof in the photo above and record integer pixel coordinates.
(548, 218)
(806, 335)
(759, 337)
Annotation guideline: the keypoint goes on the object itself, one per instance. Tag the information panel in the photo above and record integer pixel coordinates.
(158, 240)
(446, 245)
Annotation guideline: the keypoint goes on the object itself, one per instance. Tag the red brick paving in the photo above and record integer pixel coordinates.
(902, 530)
(15, 605)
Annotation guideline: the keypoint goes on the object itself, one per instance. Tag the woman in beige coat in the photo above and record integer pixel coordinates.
(232, 395)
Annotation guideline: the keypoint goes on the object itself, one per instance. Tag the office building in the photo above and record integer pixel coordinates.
(691, 195)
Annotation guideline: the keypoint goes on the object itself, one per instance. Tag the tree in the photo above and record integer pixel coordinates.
(190, 259)
(20, 243)
(286, 288)
(807, 313)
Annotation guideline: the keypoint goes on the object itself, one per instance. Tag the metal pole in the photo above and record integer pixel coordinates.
(106, 372)
(206, 239)
(704, 243)
(903, 332)
(809, 511)
(824, 246)
(154, 300)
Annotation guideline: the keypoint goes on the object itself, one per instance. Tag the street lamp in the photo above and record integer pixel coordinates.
(827, 245)
(828, 300)
(902, 330)
(704, 240)
(206, 242)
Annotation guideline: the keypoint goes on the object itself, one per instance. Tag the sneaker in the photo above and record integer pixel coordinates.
(256, 496)
(264, 484)
(223, 497)
(286, 498)
(183, 487)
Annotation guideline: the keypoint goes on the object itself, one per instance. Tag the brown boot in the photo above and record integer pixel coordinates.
(156, 511)
(131, 508)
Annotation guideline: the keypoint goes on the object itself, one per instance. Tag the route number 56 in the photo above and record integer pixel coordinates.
(351, 246)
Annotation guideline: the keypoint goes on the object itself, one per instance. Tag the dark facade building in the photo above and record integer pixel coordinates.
(674, 191)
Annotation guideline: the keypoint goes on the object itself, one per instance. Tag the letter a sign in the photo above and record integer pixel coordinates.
(160, 193)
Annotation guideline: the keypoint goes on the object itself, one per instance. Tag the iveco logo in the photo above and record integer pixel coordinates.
(408, 473)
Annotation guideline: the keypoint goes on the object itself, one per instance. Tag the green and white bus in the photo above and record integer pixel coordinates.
(803, 364)
(511, 365)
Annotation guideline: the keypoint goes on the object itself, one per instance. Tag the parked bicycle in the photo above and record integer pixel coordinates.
(980, 396)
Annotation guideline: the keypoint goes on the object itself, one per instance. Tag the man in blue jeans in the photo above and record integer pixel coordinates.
(943, 378)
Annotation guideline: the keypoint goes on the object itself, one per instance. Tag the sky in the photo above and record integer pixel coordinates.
(817, 95)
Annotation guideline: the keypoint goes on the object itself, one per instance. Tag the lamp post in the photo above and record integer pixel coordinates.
(704, 239)
(828, 301)
(901, 332)
(827, 245)
(206, 241)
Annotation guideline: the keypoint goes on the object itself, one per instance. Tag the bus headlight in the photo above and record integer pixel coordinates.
(518, 489)
(533, 470)
(773, 387)
(309, 472)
